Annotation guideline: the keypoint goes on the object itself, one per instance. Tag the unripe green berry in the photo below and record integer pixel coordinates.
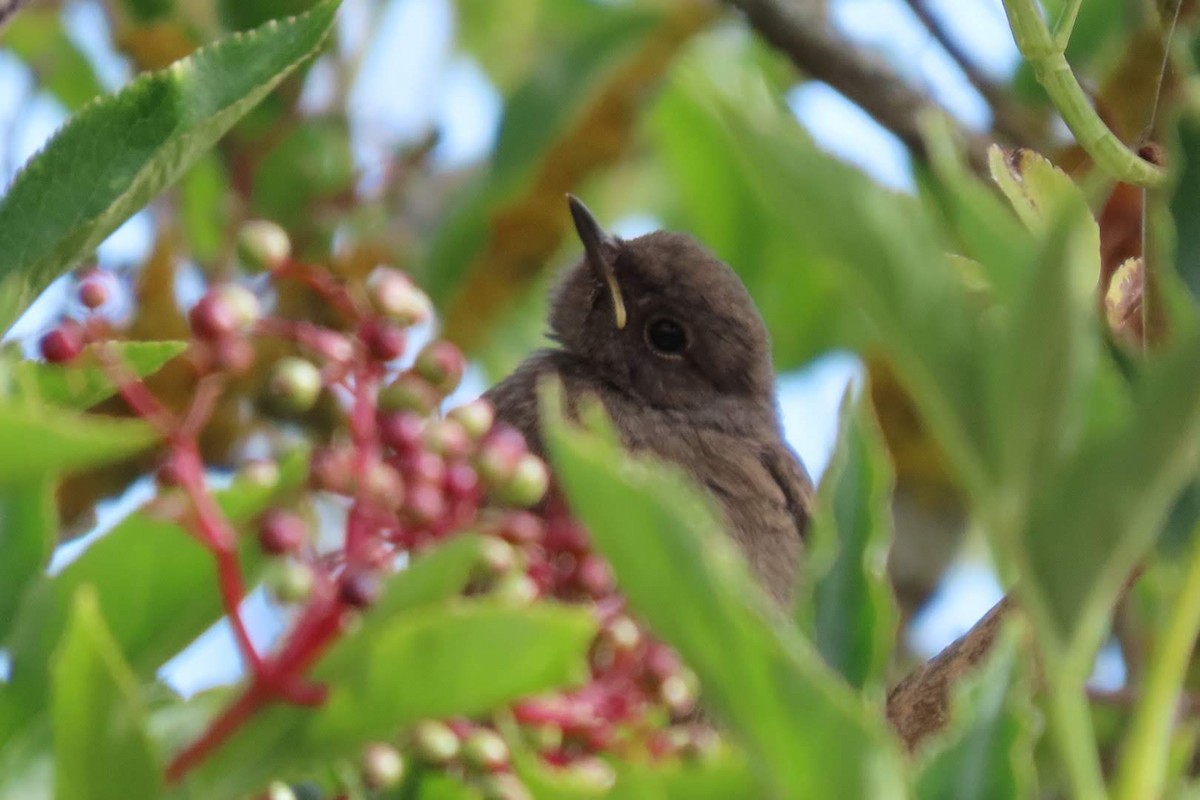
(382, 766)
(475, 417)
(516, 588)
(396, 297)
(497, 556)
(289, 581)
(263, 245)
(435, 742)
(485, 749)
(278, 790)
(504, 786)
(442, 364)
(409, 392)
(528, 485)
(295, 384)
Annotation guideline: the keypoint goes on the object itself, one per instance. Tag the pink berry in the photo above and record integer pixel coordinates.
(424, 504)
(331, 469)
(223, 311)
(63, 343)
(281, 532)
(402, 430)
(424, 467)
(384, 485)
(461, 482)
(594, 575)
(383, 340)
(94, 290)
(233, 356)
(522, 528)
(442, 364)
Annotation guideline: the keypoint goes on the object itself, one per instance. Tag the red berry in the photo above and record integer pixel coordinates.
(442, 364)
(281, 532)
(222, 311)
(358, 588)
(63, 343)
(383, 340)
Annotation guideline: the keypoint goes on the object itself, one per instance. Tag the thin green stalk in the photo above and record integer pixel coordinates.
(1045, 54)
(1071, 724)
(1142, 771)
(1066, 24)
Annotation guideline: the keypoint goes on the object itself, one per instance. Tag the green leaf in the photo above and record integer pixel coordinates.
(205, 200)
(440, 786)
(101, 749)
(84, 382)
(715, 777)
(37, 37)
(851, 614)
(28, 532)
(128, 147)
(717, 138)
(312, 163)
(806, 732)
(63, 442)
(155, 583)
(462, 658)
(1185, 205)
(1106, 504)
(987, 752)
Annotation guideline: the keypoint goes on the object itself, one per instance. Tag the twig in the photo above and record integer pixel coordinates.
(920, 705)
(8, 10)
(1008, 118)
(801, 34)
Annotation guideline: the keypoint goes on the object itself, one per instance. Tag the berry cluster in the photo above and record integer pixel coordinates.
(408, 477)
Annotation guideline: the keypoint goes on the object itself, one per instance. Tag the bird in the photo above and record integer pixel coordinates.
(667, 337)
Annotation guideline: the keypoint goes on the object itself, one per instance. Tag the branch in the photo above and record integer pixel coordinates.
(801, 34)
(1009, 119)
(8, 10)
(920, 705)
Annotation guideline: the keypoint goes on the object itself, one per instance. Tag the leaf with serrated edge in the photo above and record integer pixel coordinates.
(117, 153)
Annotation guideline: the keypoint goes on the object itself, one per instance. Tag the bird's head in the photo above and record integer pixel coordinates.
(661, 317)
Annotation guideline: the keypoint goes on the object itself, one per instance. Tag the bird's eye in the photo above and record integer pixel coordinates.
(666, 336)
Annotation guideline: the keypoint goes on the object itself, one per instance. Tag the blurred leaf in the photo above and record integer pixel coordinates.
(711, 135)
(1053, 315)
(806, 733)
(155, 583)
(987, 752)
(241, 15)
(464, 658)
(503, 37)
(311, 164)
(37, 37)
(62, 442)
(84, 382)
(849, 612)
(131, 145)
(101, 750)
(204, 208)
(574, 113)
(1185, 205)
(150, 10)
(714, 777)
(28, 531)
(1109, 500)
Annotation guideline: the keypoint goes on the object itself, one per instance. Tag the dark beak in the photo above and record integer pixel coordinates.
(601, 249)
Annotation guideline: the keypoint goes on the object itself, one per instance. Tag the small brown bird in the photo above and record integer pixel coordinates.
(667, 337)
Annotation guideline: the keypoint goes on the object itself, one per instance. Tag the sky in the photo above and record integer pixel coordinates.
(413, 77)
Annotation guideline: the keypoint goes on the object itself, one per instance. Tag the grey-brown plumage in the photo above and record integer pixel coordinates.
(667, 337)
